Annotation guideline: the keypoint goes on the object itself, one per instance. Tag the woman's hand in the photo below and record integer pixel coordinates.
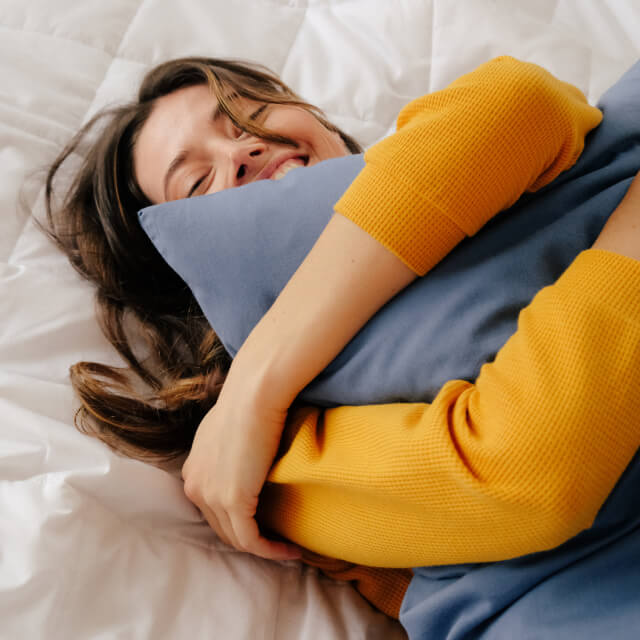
(346, 277)
(232, 452)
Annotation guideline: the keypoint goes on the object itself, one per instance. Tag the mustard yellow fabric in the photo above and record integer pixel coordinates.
(461, 155)
(523, 459)
(518, 462)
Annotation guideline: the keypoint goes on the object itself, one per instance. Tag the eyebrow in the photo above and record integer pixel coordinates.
(182, 156)
(217, 110)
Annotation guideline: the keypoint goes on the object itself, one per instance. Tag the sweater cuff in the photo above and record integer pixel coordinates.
(420, 246)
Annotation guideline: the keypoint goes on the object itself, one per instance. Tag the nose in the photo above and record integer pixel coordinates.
(246, 158)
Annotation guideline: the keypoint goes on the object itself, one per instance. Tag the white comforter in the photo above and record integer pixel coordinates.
(97, 546)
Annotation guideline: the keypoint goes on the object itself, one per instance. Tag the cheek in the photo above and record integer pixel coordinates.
(318, 136)
(339, 145)
(287, 122)
(303, 127)
(329, 144)
(293, 122)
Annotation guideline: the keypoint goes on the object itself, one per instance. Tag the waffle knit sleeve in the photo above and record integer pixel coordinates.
(516, 463)
(461, 155)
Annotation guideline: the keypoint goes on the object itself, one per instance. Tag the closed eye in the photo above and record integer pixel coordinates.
(196, 184)
(237, 131)
(257, 112)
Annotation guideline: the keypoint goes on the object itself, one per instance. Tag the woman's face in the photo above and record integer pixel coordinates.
(188, 147)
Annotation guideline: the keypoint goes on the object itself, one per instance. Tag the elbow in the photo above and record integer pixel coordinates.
(564, 513)
(580, 461)
(545, 517)
(570, 488)
(549, 483)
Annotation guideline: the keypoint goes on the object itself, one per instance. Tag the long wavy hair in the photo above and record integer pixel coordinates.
(175, 362)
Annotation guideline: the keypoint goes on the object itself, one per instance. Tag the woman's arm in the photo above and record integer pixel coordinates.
(345, 279)
(517, 463)
(525, 128)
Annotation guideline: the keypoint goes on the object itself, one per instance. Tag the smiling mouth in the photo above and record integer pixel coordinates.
(289, 165)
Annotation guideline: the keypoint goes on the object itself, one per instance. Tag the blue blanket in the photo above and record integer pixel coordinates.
(588, 588)
(237, 249)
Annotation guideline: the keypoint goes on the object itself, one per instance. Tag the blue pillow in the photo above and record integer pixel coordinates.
(236, 250)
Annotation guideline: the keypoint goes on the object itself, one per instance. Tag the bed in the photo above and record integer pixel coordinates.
(93, 545)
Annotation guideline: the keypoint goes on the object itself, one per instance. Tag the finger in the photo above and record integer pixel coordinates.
(214, 523)
(248, 534)
(184, 471)
(207, 512)
(225, 523)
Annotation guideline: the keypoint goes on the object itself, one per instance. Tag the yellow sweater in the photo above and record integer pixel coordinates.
(523, 459)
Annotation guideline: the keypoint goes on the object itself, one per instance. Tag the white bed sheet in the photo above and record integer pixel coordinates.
(96, 546)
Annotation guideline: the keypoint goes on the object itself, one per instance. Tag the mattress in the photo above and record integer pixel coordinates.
(93, 545)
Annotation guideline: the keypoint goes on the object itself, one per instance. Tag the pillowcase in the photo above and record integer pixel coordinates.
(236, 250)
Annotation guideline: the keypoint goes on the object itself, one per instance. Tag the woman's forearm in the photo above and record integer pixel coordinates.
(344, 280)
(342, 283)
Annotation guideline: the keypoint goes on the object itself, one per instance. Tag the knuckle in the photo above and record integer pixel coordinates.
(210, 498)
(230, 500)
(190, 489)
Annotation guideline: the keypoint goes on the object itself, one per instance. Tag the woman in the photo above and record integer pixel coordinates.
(96, 226)
(348, 275)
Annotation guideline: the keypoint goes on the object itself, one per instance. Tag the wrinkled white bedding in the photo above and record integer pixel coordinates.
(96, 546)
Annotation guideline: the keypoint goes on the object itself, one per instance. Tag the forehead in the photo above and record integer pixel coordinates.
(172, 120)
(176, 108)
(178, 113)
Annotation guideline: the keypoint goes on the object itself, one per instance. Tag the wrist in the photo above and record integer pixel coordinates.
(255, 374)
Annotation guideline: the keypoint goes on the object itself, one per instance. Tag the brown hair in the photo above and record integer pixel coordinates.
(151, 408)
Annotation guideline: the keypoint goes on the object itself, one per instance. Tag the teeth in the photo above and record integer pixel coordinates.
(285, 167)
